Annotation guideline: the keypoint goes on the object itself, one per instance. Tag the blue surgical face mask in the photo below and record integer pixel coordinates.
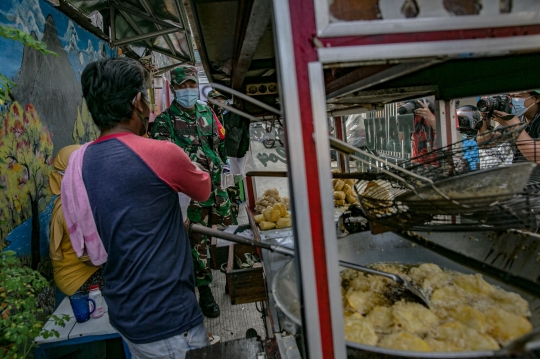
(187, 98)
(518, 105)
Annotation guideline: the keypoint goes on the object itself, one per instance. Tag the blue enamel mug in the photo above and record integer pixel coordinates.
(79, 304)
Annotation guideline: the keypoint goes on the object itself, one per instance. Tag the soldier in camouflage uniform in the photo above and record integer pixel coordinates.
(191, 125)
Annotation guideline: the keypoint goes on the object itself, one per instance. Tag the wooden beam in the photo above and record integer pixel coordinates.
(354, 76)
(251, 30)
(149, 35)
(193, 18)
(385, 75)
(81, 20)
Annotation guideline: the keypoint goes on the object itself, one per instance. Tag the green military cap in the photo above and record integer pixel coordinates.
(183, 73)
(215, 94)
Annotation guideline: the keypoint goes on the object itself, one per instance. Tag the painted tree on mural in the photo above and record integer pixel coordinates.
(25, 166)
(84, 128)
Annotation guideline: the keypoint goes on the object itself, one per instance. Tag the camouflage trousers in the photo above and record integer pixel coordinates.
(234, 197)
(218, 214)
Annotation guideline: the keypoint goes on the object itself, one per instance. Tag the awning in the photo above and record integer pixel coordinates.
(144, 27)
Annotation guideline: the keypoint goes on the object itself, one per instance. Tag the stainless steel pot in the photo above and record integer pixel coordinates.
(364, 248)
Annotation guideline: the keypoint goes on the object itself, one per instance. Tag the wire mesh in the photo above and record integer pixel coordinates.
(488, 181)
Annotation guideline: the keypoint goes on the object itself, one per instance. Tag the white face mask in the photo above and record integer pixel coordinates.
(187, 97)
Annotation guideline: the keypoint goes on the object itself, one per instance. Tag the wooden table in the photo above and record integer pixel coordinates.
(77, 333)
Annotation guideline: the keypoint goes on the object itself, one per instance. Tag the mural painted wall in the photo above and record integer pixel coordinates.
(47, 112)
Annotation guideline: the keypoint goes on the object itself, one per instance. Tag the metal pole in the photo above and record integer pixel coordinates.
(127, 40)
(112, 23)
(197, 228)
(342, 119)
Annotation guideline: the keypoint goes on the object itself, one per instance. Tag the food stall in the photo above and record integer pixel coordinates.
(391, 61)
(306, 61)
(331, 68)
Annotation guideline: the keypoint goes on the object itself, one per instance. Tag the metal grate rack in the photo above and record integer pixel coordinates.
(482, 183)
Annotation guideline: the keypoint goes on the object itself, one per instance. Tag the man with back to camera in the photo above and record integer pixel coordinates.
(191, 125)
(132, 185)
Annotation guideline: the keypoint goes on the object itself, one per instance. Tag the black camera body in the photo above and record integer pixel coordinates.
(408, 107)
(489, 104)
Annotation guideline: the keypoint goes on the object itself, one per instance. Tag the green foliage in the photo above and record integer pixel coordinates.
(15, 34)
(25, 39)
(5, 83)
(21, 323)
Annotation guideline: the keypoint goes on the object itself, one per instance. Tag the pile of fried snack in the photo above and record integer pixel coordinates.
(466, 313)
(273, 210)
(344, 193)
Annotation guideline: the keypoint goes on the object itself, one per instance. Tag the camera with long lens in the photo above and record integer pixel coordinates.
(408, 107)
(489, 104)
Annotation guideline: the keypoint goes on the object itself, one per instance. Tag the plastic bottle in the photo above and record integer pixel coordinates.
(95, 294)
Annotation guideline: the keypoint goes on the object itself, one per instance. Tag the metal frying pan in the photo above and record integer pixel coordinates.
(471, 192)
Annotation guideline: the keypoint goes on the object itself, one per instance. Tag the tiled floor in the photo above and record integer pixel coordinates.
(234, 320)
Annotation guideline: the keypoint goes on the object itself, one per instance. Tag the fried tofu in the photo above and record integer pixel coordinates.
(469, 317)
(404, 341)
(464, 338)
(436, 280)
(466, 313)
(441, 345)
(382, 319)
(448, 297)
(510, 302)
(419, 273)
(505, 326)
(473, 284)
(363, 302)
(413, 317)
(361, 282)
(360, 330)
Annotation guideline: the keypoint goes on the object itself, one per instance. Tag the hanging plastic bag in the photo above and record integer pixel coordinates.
(184, 204)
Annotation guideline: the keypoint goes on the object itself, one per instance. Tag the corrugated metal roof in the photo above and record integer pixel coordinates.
(144, 27)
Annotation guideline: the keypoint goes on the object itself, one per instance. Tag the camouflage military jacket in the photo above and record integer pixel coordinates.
(197, 134)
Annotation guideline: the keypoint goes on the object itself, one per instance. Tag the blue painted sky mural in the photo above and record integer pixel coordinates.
(30, 15)
(48, 88)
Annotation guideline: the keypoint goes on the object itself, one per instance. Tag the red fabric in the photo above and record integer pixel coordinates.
(175, 169)
(425, 36)
(221, 129)
(422, 139)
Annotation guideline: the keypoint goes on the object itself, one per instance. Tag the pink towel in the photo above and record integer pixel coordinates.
(78, 214)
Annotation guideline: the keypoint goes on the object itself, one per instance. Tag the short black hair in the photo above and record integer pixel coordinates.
(109, 87)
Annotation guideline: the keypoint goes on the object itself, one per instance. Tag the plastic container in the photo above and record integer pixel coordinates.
(95, 294)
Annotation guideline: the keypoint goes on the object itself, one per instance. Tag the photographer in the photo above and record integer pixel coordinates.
(525, 106)
(423, 137)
